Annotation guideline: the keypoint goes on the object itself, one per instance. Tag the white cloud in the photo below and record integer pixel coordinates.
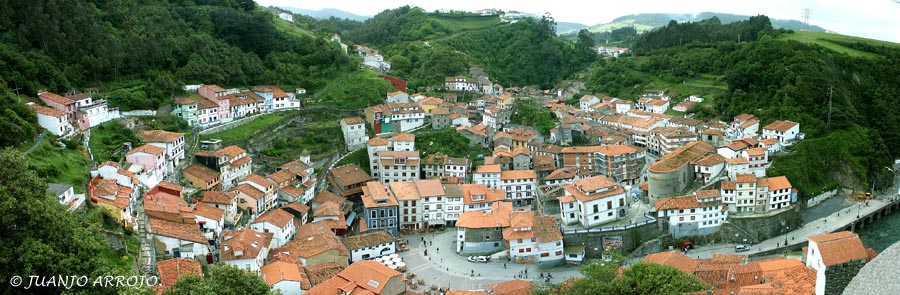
(875, 19)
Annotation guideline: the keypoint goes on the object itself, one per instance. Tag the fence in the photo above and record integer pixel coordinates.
(138, 113)
(601, 229)
(820, 198)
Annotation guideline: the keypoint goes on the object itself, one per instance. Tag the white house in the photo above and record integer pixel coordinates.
(210, 219)
(520, 185)
(285, 277)
(278, 222)
(488, 175)
(460, 83)
(477, 197)
(834, 257)
(173, 142)
(658, 106)
(354, 130)
(66, 195)
(784, 131)
(709, 167)
(453, 207)
(245, 248)
(780, 193)
(592, 201)
(699, 214)
(55, 121)
(735, 166)
(181, 239)
(370, 245)
(227, 201)
(533, 238)
(397, 97)
(408, 115)
(585, 102)
(286, 16)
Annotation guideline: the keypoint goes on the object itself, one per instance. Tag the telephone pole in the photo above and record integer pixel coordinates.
(806, 13)
(828, 122)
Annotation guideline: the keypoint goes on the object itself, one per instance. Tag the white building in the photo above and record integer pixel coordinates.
(784, 131)
(780, 193)
(699, 214)
(520, 185)
(658, 106)
(170, 237)
(355, 135)
(65, 194)
(286, 16)
(397, 97)
(585, 102)
(173, 142)
(210, 219)
(453, 207)
(433, 200)
(477, 197)
(460, 83)
(592, 201)
(370, 245)
(245, 248)
(835, 257)
(285, 277)
(710, 167)
(408, 115)
(394, 166)
(55, 121)
(488, 175)
(533, 238)
(278, 222)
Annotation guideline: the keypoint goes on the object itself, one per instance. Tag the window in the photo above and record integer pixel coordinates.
(596, 208)
(545, 254)
(608, 204)
(609, 214)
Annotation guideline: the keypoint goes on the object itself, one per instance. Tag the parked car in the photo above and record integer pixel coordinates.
(482, 259)
(741, 248)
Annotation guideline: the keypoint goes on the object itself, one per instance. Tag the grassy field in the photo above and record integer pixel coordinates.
(107, 139)
(60, 165)
(357, 91)
(827, 40)
(465, 23)
(291, 29)
(239, 135)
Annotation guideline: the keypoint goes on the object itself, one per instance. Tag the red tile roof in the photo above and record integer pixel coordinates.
(178, 230)
(279, 271)
(513, 287)
(47, 111)
(674, 259)
(161, 136)
(148, 149)
(277, 217)
(170, 270)
(840, 247)
(244, 243)
(55, 98)
(782, 126)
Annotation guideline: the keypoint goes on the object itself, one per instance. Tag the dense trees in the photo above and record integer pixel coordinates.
(641, 278)
(221, 280)
(39, 236)
(709, 30)
(154, 47)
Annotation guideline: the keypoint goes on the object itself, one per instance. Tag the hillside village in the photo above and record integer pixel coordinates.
(607, 168)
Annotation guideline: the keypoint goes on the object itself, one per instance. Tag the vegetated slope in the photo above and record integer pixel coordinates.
(837, 42)
(781, 79)
(155, 47)
(327, 13)
(426, 47)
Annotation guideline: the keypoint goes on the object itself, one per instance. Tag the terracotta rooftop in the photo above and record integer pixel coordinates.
(689, 153)
(675, 259)
(244, 243)
(258, 180)
(178, 230)
(55, 98)
(208, 211)
(729, 185)
(276, 217)
(147, 149)
(710, 193)
(757, 152)
(276, 92)
(403, 136)
(517, 174)
(170, 270)
(737, 161)
(47, 111)
(201, 172)
(608, 150)
(405, 190)
(353, 120)
(498, 217)
(779, 182)
(779, 125)
(218, 197)
(682, 202)
(581, 196)
(322, 272)
(250, 191)
(368, 240)
(429, 188)
(840, 247)
(311, 239)
(749, 177)
(594, 183)
(349, 174)
(743, 117)
(711, 160)
(490, 194)
(279, 271)
(562, 173)
(488, 169)
(327, 196)
(513, 287)
(377, 141)
(161, 136)
(546, 229)
(363, 277)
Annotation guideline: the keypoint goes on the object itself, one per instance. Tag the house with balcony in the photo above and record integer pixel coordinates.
(232, 163)
(354, 130)
(380, 209)
(53, 120)
(173, 142)
(278, 222)
(520, 186)
(784, 131)
(482, 231)
(478, 197)
(152, 159)
(699, 214)
(245, 248)
(60, 103)
(187, 108)
(533, 238)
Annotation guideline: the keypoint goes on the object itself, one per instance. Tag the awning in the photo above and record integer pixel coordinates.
(435, 222)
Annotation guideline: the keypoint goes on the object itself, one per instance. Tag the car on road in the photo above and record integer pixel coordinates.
(741, 248)
(482, 259)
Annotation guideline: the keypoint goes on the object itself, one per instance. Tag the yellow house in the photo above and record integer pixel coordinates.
(430, 103)
(113, 197)
(505, 100)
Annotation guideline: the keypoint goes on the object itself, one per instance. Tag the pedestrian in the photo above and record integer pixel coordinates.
(542, 275)
(431, 243)
(439, 250)
(504, 265)
(426, 252)
(777, 244)
(526, 271)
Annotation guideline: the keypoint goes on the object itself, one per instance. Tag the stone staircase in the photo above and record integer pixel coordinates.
(146, 256)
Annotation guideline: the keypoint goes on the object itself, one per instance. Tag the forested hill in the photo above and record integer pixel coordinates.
(774, 77)
(425, 47)
(145, 50)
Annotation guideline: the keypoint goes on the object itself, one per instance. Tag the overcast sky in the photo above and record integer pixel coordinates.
(877, 19)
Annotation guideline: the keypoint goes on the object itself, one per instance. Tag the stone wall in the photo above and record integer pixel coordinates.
(838, 276)
(756, 228)
(632, 238)
(820, 198)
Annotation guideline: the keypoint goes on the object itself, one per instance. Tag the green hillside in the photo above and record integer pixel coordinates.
(838, 42)
(455, 23)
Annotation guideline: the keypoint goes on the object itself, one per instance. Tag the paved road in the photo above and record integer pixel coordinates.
(445, 268)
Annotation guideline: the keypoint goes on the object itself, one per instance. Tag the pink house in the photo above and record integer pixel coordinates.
(153, 158)
(217, 94)
(59, 102)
